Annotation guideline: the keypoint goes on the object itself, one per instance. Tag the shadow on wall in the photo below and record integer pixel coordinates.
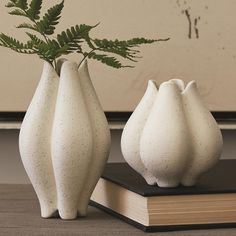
(12, 170)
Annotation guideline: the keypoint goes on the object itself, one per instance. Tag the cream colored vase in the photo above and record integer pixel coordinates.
(130, 139)
(58, 141)
(180, 139)
(205, 136)
(101, 138)
(35, 140)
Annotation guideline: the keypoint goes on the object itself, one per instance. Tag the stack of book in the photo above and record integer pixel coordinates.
(210, 204)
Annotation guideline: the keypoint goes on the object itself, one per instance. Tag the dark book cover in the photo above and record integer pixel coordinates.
(220, 179)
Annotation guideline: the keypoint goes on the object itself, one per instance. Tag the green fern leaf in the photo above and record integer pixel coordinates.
(123, 53)
(18, 12)
(35, 40)
(57, 50)
(138, 41)
(50, 19)
(110, 61)
(120, 48)
(74, 36)
(10, 4)
(84, 30)
(48, 51)
(27, 26)
(9, 41)
(104, 43)
(14, 44)
(34, 9)
(71, 40)
(42, 49)
(22, 4)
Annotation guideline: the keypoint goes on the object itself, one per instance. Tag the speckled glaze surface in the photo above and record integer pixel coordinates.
(64, 141)
(35, 140)
(205, 136)
(164, 144)
(71, 141)
(130, 139)
(180, 139)
(101, 138)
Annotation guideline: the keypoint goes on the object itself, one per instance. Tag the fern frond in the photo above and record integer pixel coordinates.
(123, 53)
(10, 4)
(57, 50)
(84, 32)
(9, 41)
(34, 9)
(73, 39)
(123, 44)
(22, 4)
(27, 26)
(41, 48)
(14, 44)
(18, 12)
(74, 36)
(35, 39)
(138, 41)
(110, 61)
(50, 19)
(120, 48)
(48, 51)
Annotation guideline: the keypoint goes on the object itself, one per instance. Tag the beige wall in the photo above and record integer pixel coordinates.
(209, 59)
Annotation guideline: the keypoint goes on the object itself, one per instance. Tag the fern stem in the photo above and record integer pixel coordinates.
(86, 56)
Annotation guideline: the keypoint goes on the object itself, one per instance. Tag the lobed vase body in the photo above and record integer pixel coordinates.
(179, 139)
(64, 141)
(71, 141)
(35, 140)
(130, 139)
(164, 144)
(101, 138)
(206, 138)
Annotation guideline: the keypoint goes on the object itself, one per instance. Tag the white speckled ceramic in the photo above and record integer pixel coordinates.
(130, 139)
(35, 140)
(71, 141)
(180, 139)
(165, 143)
(205, 136)
(101, 138)
(64, 140)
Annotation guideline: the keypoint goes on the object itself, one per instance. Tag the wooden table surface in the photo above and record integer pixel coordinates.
(20, 215)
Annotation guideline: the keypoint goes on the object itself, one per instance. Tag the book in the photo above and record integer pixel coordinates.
(211, 203)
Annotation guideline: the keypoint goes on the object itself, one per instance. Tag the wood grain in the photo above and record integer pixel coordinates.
(20, 215)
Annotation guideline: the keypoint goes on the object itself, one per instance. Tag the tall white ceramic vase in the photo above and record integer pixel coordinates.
(165, 143)
(131, 135)
(72, 141)
(101, 138)
(35, 140)
(207, 142)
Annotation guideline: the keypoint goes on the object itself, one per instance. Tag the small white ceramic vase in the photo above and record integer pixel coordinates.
(130, 139)
(165, 143)
(35, 140)
(64, 141)
(179, 139)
